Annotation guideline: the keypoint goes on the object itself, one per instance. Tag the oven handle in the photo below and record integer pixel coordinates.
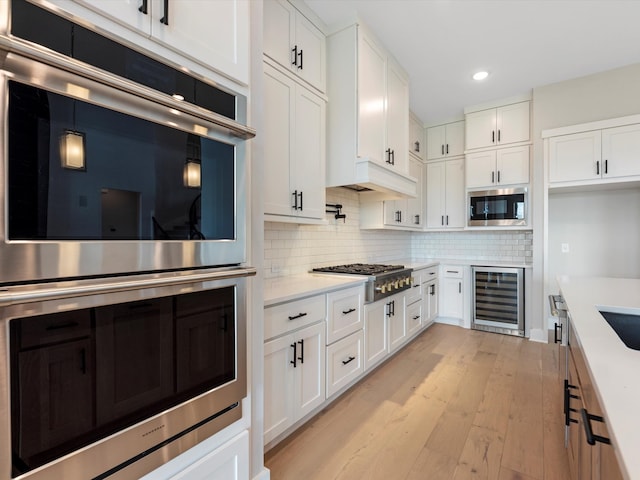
(31, 293)
(27, 52)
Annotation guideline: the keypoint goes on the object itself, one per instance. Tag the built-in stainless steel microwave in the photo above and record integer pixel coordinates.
(505, 207)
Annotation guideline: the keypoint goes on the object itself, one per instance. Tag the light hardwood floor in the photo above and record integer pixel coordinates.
(454, 404)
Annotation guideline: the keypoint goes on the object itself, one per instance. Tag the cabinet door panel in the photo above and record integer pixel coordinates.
(397, 120)
(214, 33)
(279, 109)
(417, 138)
(436, 142)
(481, 129)
(574, 157)
(278, 386)
(621, 151)
(308, 162)
(312, 43)
(512, 122)
(455, 139)
(455, 200)
(376, 345)
(512, 165)
(311, 362)
(397, 323)
(371, 100)
(415, 206)
(279, 16)
(436, 194)
(122, 11)
(481, 171)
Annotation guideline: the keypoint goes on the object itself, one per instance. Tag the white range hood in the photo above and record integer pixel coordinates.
(376, 182)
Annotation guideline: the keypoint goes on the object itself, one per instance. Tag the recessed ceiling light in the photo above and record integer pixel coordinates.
(480, 75)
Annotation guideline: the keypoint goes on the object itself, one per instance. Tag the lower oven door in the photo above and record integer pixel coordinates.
(113, 384)
(498, 300)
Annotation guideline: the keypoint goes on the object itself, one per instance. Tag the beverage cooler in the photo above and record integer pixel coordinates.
(498, 300)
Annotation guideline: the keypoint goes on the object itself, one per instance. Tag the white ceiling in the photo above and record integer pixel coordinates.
(522, 43)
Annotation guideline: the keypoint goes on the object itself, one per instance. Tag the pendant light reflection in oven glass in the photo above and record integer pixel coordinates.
(73, 147)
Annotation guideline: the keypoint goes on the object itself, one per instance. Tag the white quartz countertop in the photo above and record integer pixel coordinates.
(284, 289)
(613, 367)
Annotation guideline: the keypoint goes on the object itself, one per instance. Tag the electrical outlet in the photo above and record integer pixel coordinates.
(565, 248)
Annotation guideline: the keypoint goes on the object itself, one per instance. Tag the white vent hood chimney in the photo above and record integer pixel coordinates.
(375, 182)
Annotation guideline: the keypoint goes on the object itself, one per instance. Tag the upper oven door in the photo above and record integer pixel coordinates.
(99, 180)
(506, 207)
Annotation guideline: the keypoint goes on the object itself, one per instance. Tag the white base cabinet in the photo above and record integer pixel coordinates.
(230, 461)
(452, 293)
(294, 378)
(397, 321)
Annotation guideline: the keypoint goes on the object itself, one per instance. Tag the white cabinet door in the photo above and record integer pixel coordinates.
(311, 376)
(417, 138)
(452, 304)
(376, 344)
(279, 412)
(294, 149)
(294, 42)
(445, 141)
(213, 33)
(227, 462)
(308, 162)
(480, 169)
(436, 194)
(575, 157)
(415, 206)
(454, 198)
(481, 129)
(279, 98)
(620, 151)
(503, 166)
(397, 321)
(430, 301)
(125, 12)
(397, 115)
(371, 100)
(498, 126)
(512, 123)
(294, 378)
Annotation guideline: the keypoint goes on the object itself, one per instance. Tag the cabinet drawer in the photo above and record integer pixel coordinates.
(290, 316)
(345, 313)
(429, 274)
(452, 272)
(415, 292)
(414, 318)
(56, 327)
(344, 362)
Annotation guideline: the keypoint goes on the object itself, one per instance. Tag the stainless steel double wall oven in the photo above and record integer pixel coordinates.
(122, 253)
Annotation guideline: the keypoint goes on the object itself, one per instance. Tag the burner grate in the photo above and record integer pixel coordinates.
(360, 268)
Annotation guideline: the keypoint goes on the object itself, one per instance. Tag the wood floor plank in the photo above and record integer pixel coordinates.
(454, 404)
(481, 455)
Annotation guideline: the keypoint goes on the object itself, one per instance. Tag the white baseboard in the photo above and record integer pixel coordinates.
(265, 474)
(539, 335)
(449, 321)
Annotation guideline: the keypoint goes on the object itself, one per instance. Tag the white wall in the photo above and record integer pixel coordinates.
(602, 230)
(610, 94)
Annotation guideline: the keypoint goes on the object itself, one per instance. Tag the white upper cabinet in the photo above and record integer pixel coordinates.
(498, 126)
(294, 150)
(445, 194)
(417, 146)
(497, 167)
(368, 115)
(295, 42)
(445, 140)
(213, 34)
(610, 153)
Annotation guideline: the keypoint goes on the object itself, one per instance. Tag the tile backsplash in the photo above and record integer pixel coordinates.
(292, 249)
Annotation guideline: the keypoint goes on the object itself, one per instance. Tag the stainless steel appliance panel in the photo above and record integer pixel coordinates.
(507, 207)
(498, 300)
(186, 423)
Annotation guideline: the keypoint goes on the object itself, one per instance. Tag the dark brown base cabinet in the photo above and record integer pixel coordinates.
(79, 376)
(586, 461)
